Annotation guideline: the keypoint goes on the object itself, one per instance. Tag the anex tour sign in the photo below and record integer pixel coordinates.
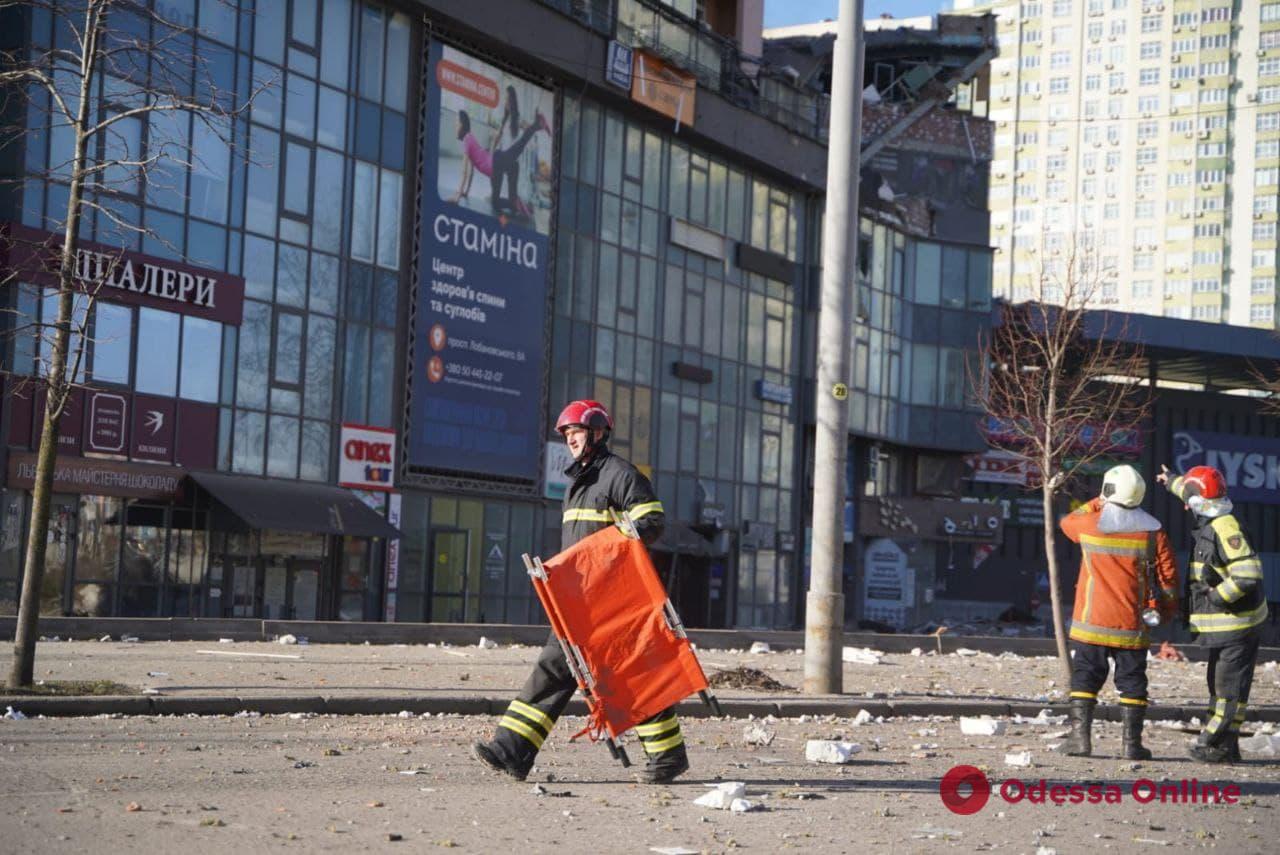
(367, 458)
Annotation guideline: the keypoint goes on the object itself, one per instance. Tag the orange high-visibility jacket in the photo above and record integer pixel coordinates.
(1112, 589)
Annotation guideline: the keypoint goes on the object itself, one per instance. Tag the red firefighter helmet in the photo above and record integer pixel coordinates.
(589, 414)
(1204, 481)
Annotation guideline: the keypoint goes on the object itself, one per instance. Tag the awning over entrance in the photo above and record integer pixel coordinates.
(295, 506)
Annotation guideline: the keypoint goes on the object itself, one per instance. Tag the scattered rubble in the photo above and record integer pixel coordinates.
(862, 655)
(981, 726)
(287, 638)
(14, 715)
(1043, 718)
(863, 717)
(1020, 758)
(755, 734)
(1262, 744)
(761, 647)
(723, 795)
(487, 643)
(743, 677)
(830, 751)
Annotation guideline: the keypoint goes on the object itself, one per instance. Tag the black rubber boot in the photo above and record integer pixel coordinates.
(1132, 717)
(1080, 742)
(665, 767)
(1208, 752)
(489, 756)
(1233, 748)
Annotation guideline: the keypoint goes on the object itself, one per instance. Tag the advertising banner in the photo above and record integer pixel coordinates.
(1251, 464)
(483, 265)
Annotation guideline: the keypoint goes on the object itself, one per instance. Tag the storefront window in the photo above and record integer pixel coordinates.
(142, 568)
(57, 557)
(98, 539)
(11, 509)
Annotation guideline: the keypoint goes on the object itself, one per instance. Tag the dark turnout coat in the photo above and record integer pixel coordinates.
(605, 486)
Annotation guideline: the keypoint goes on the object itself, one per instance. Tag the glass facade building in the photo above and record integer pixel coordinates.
(680, 291)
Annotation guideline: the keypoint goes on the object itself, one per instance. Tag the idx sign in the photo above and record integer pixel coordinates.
(1251, 464)
(368, 458)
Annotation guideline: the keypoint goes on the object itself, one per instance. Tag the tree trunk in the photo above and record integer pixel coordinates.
(1055, 595)
(22, 671)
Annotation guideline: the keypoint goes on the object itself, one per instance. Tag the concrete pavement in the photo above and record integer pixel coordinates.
(222, 678)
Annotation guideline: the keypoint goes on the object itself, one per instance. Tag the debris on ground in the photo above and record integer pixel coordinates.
(722, 796)
(981, 726)
(1044, 718)
(830, 751)
(287, 638)
(129, 639)
(13, 715)
(931, 832)
(863, 717)
(486, 643)
(755, 734)
(743, 677)
(1262, 744)
(861, 655)
(1020, 758)
(1169, 652)
(966, 651)
(761, 647)
(672, 850)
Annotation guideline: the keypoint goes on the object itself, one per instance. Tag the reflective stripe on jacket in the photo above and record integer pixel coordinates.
(1112, 589)
(1227, 599)
(605, 486)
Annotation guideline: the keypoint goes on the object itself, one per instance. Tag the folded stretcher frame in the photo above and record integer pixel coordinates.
(635, 603)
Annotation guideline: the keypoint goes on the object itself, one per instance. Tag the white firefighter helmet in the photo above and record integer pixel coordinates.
(1122, 485)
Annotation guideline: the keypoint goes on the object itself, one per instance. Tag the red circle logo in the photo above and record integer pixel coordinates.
(435, 369)
(964, 790)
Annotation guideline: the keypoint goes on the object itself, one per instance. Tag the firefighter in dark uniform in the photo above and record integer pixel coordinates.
(603, 484)
(1228, 606)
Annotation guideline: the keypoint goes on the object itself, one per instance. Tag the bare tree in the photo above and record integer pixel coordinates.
(107, 86)
(1059, 385)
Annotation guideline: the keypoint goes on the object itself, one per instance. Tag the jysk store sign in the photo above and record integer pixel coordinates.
(488, 175)
(1251, 464)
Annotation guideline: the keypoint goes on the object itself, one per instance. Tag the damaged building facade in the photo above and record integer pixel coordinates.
(361, 428)
(923, 296)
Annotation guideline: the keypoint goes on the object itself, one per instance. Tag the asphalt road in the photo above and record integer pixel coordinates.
(239, 784)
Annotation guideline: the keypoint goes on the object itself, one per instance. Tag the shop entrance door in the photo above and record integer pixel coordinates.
(304, 588)
(449, 549)
(244, 586)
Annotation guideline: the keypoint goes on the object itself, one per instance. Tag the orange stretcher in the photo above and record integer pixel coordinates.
(624, 642)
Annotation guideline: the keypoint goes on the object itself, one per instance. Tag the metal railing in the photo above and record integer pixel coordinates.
(715, 61)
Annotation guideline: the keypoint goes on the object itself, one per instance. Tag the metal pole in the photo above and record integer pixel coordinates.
(824, 605)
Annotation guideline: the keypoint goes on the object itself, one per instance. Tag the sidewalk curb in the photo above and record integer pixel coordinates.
(844, 707)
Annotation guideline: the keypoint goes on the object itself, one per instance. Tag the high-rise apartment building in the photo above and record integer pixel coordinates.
(1151, 130)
